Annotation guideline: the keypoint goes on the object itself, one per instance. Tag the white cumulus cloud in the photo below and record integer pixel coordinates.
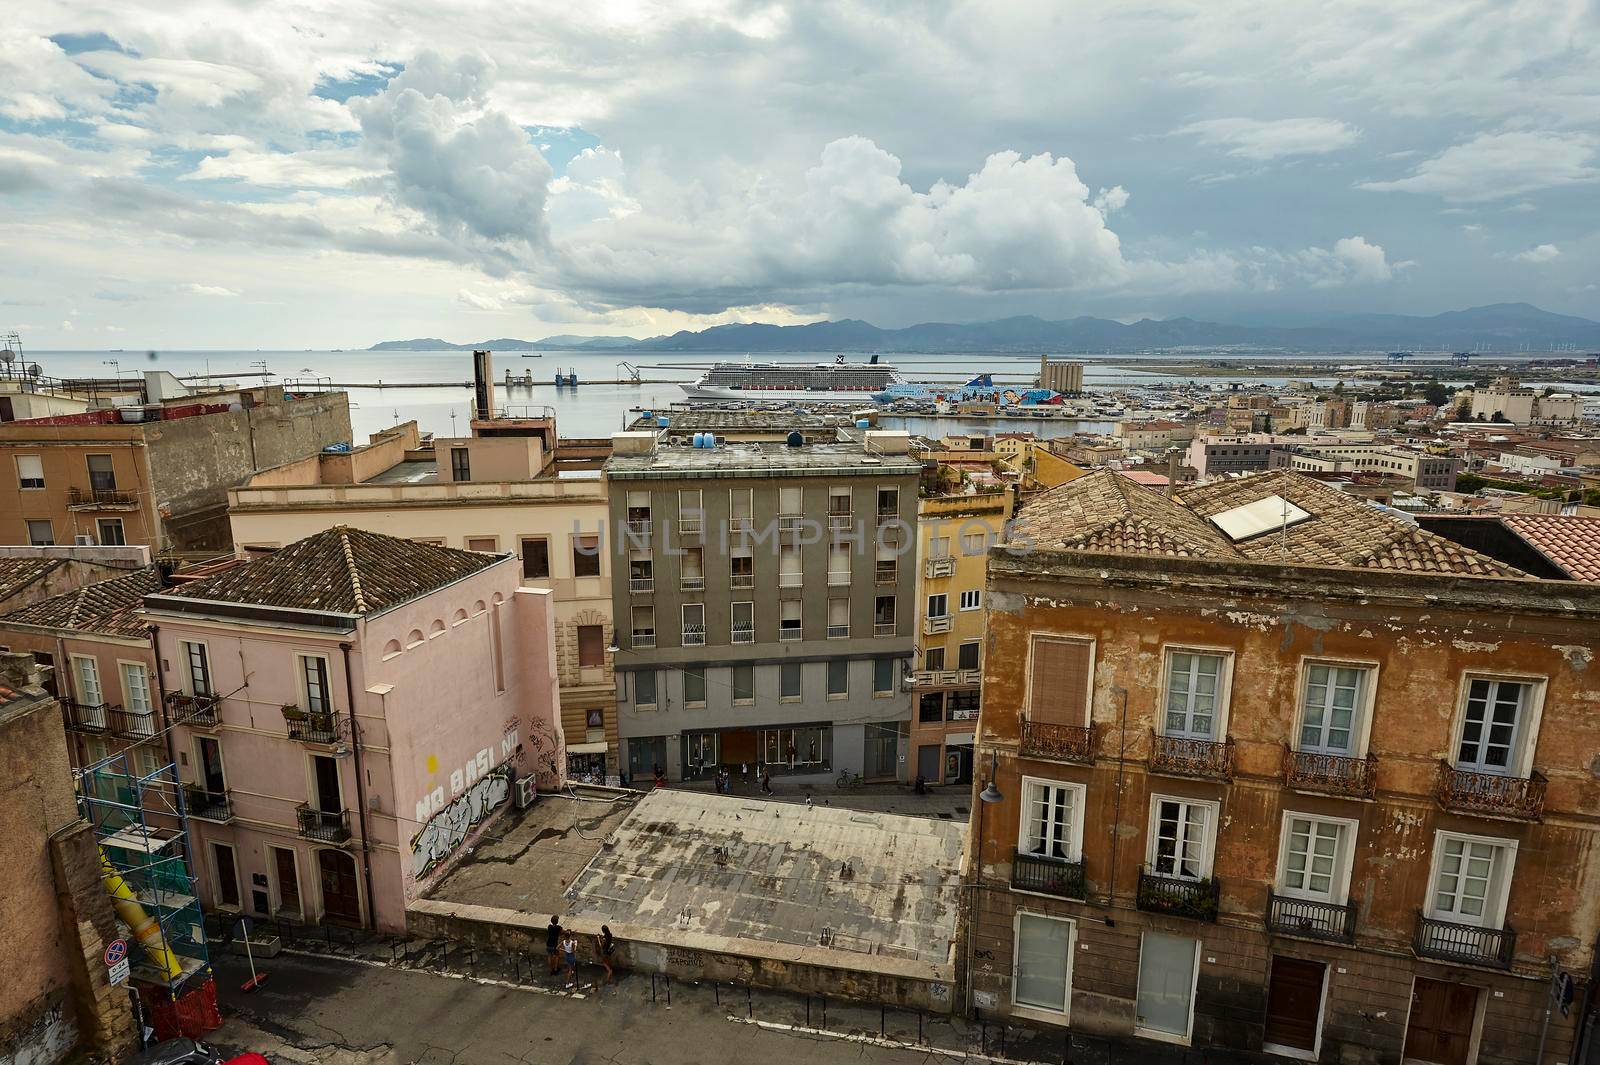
(1539, 253)
(207, 290)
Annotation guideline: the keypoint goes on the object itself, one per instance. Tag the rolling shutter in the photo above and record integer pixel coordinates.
(1058, 681)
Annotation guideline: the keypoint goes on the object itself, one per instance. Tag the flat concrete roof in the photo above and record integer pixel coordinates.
(757, 459)
(408, 472)
(780, 872)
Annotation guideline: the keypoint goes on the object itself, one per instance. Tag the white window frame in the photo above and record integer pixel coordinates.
(216, 875)
(1034, 638)
(1194, 986)
(972, 599)
(683, 623)
(303, 685)
(78, 685)
(1527, 731)
(1064, 1015)
(1361, 728)
(1208, 850)
(186, 674)
(733, 636)
(1497, 905)
(1075, 828)
(1343, 861)
(944, 604)
(1219, 721)
(149, 705)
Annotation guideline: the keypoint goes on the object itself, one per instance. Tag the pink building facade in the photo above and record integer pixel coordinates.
(352, 710)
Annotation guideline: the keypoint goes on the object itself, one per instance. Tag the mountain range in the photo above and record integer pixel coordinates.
(1497, 327)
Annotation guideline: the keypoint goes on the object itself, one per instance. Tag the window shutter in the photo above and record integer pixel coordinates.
(1058, 682)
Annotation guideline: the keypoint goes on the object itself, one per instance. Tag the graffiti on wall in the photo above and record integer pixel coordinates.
(445, 831)
(48, 1038)
(477, 767)
(546, 754)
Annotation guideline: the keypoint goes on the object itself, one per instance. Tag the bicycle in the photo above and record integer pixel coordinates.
(848, 780)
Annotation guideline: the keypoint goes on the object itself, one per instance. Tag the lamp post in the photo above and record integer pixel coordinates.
(986, 798)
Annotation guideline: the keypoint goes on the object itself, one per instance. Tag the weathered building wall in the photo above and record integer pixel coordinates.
(63, 451)
(1421, 633)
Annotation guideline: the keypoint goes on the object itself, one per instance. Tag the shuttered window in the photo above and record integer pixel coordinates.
(1058, 681)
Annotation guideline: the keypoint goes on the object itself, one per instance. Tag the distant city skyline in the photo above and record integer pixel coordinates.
(272, 177)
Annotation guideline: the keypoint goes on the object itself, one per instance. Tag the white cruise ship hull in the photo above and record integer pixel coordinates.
(779, 395)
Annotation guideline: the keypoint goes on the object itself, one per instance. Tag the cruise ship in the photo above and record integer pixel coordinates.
(837, 382)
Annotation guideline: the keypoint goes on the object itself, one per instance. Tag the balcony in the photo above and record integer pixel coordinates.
(838, 578)
(935, 568)
(1059, 743)
(839, 522)
(214, 806)
(100, 499)
(1331, 774)
(1195, 899)
(1048, 876)
(326, 826)
(692, 584)
(694, 636)
(643, 638)
(838, 632)
(317, 727)
(741, 526)
(885, 516)
(1178, 756)
(641, 585)
(638, 529)
(883, 628)
(885, 574)
(790, 580)
(742, 580)
(789, 525)
(134, 724)
(932, 626)
(744, 634)
(198, 710)
(690, 526)
(1465, 943)
(788, 634)
(1327, 921)
(1489, 795)
(85, 717)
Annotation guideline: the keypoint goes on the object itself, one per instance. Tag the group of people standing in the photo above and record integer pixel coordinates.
(561, 949)
(724, 781)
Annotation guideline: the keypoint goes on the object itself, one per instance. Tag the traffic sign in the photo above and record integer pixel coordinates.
(116, 952)
(119, 972)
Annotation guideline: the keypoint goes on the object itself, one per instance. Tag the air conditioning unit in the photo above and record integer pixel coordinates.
(84, 540)
(526, 792)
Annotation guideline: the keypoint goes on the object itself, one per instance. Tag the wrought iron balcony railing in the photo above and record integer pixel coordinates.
(326, 826)
(1048, 876)
(1197, 899)
(91, 498)
(1448, 941)
(1060, 743)
(744, 634)
(789, 633)
(838, 632)
(312, 726)
(208, 805)
(1329, 921)
(85, 717)
(1487, 794)
(1179, 756)
(643, 638)
(134, 724)
(197, 710)
(640, 585)
(741, 580)
(1331, 774)
(883, 628)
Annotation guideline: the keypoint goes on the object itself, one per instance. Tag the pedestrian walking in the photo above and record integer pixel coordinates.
(569, 955)
(552, 942)
(744, 774)
(766, 782)
(608, 946)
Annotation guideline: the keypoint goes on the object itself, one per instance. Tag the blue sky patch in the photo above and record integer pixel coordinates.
(561, 144)
(94, 41)
(341, 89)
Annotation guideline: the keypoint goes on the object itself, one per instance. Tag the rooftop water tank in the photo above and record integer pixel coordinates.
(663, 421)
(795, 440)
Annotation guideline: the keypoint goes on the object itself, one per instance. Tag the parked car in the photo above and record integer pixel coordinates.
(176, 1052)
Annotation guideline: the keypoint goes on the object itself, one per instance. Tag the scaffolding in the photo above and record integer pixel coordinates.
(142, 830)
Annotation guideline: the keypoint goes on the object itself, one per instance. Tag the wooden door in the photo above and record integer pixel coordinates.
(739, 748)
(341, 895)
(288, 880)
(1440, 1028)
(1294, 1002)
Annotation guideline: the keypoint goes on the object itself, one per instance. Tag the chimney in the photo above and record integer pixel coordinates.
(483, 385)
(19, 670)
(1172, 470)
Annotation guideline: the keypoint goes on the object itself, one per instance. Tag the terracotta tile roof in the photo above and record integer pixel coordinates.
(1569, 541)
(17, 572)
(340, 570)
(105, 607)
(1106, 512)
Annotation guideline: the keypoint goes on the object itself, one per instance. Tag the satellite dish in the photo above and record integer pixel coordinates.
(6, 355)
(33, 369)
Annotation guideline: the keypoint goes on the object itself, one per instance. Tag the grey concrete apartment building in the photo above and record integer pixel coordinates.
(764, 596)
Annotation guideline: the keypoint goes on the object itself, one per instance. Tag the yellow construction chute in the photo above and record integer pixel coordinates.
(146, 929)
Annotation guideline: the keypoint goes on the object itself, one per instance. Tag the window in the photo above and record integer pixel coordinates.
(883, 616)
(930, 708)
(586, 555)
(460, 464)
(591, 646)
(314, 684)
(535, 558)
(964, 705)
(971, 600)
(744, 685)
(1180, 841)
(1168, 968)
(1471, 876)
(641, 572)
(938, 605)
(1052, 819)
(838, 564)
(807, 749)
(30, 471)
(40, 534)
(838, 678)
(110, 530)
(488, 545)
(976, 543)
(694, 687)
(967, 655)
(839, 508)
(939, 547)
(933, 659)
(1333, 697)
(136, 688)
(1042, 979)
(741, 569)
(644, 626)
(1059, 674)
(790, 501)
(886, 568)
(744, 623)
(644, 689)
(197, 668)
(637, 522)
(1194, 695)
(1313, 860)
(838, 619)
(888, 503)
(87, 673)
(692, 574)
(789, 620)
(790, 681)
(691, 519)
(694, 624)
(741, 516)
(789, 566)
(1492, 726)
(882, 676)
(102, 477)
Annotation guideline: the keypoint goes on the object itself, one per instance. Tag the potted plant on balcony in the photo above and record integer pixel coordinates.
(294, 718)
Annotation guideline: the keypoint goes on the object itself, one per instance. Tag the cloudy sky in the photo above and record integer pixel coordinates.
(242, 174)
